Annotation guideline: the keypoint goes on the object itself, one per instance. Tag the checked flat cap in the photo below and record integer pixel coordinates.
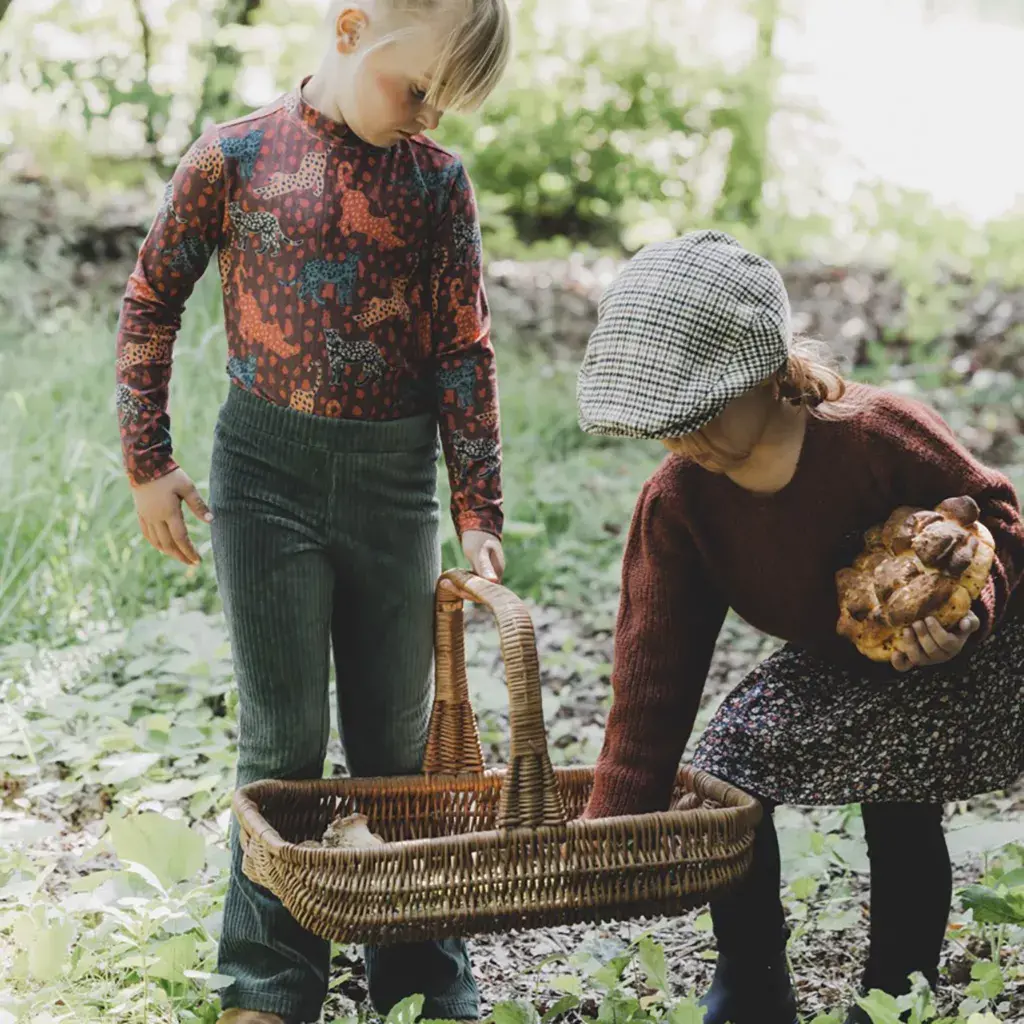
(686, 327)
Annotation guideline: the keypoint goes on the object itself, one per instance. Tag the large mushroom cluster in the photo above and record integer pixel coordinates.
(919, 563)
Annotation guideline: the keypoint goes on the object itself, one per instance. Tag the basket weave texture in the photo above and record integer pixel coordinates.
(468, 851)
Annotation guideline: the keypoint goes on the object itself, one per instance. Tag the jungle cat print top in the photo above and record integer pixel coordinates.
(352, 283)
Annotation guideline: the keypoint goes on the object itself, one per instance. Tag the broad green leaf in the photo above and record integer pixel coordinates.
(146, 875)
(563, 1005)
(989, 907)
(567, 983)
(156, 723)
(986, 980)
(838, 922)
(514, 1012)
(177, 789)
(168, 847)
(407, 1011)
(703, 923)
(119, 768)
(173, 958)
(179, 923)
(853, 853)
(608, 975)
(686, 1011)
(45, 940)
(1013, 879)
(804, 888)
(214, 982)
(880, 1007)
(652, 962)
(618, 1008)
(920, 1001)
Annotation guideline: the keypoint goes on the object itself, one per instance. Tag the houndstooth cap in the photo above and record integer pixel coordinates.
(686, 327)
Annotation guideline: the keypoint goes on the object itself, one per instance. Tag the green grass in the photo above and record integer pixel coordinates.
(70, 549)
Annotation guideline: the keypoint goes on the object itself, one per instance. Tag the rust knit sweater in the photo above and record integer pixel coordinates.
(700, 544)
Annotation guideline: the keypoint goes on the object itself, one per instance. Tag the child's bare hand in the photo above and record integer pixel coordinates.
(158, 504)
(928, 643)
(486, 557)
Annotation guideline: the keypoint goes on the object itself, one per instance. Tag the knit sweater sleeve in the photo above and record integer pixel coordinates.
(467, 383)
(670, 614)
(170, 262)
(921, 462)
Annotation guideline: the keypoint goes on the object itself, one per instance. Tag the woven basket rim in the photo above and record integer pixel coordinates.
(246, 804)
(503, 847)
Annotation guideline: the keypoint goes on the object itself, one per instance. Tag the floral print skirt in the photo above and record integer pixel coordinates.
(798, 730)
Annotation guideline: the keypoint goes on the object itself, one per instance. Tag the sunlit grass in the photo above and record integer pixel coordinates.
(70, 549)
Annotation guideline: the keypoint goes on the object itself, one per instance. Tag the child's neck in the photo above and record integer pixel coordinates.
(773, 462)
(318, 93)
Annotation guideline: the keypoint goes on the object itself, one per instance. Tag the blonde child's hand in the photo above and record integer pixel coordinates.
(485, 554)
(927, 643)
(158, 505)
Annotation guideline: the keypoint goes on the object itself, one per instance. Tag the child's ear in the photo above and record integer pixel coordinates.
(349, 25)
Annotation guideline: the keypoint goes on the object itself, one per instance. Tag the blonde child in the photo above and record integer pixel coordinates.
(349, 252)
(779, 468)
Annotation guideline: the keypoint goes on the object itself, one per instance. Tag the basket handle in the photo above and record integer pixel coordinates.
(529, 795)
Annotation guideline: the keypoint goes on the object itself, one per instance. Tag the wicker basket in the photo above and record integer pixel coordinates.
(468, 851)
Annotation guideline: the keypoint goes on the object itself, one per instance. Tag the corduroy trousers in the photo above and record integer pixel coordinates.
(325, 537)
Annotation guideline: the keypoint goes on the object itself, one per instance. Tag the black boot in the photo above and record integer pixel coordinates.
(911, 888)
(744, 994)
(751, 983)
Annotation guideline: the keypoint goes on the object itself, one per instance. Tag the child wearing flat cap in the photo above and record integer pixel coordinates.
(777, 468)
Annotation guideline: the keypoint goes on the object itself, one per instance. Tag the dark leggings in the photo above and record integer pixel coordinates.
(911, 889)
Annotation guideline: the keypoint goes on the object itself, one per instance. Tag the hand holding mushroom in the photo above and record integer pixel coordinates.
(907, 597)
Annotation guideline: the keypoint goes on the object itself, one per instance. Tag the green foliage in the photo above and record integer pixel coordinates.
(607, 133)
(167, 848)
(575, 144)
(112, 914)
(601, 134)
(747, 120)
(89, 70)
(634, 988)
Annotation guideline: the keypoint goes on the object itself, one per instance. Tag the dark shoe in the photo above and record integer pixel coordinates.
(740, 994)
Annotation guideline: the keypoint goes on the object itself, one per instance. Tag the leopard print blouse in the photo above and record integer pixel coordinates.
(352, 283)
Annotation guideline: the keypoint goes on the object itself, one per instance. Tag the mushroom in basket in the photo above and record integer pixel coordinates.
(348, 833)
(919, 563)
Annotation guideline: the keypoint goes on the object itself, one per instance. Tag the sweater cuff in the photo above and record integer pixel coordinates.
(487, 523)
(619, 791)
(146, 472)
(988, 611)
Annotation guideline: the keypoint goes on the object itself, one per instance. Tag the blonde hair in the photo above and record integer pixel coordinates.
(474, 53)
(808, 379)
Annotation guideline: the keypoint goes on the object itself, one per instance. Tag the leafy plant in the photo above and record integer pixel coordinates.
(634, 986)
